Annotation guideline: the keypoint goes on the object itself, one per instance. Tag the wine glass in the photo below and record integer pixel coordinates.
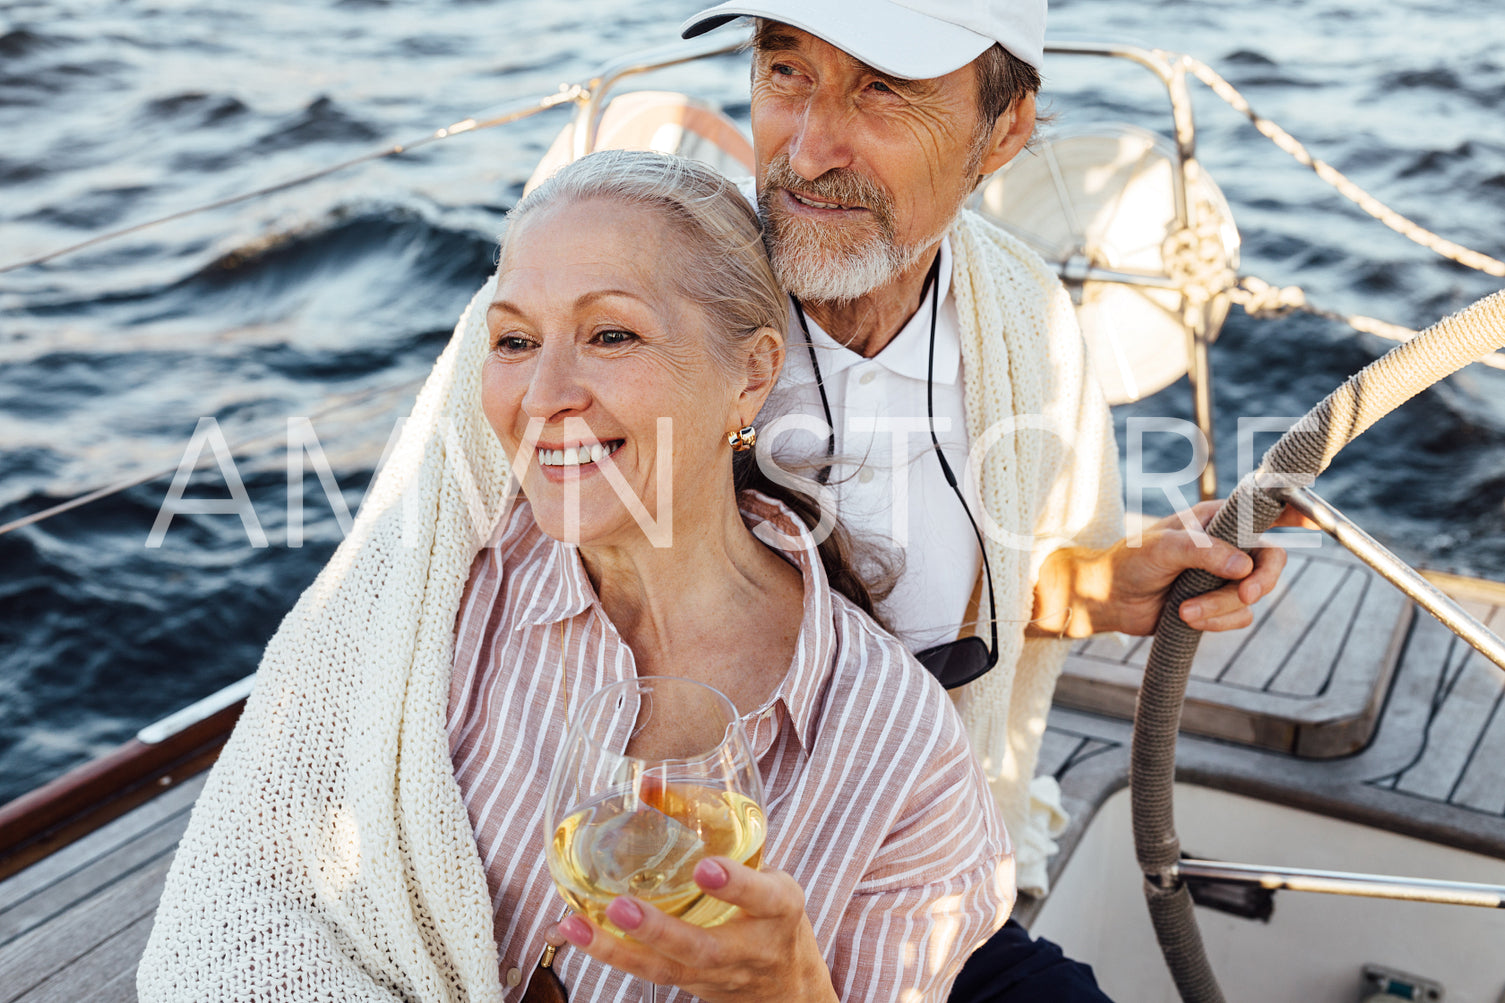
(655, 775)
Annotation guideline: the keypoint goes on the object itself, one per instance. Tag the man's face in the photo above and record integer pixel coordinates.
(859, 173)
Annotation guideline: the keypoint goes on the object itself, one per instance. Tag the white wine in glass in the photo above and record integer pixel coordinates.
(655, 776)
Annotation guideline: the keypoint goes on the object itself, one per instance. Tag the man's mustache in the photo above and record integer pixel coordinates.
(842, 186)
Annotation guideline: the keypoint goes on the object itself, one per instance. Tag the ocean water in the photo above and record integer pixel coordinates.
(331, 300)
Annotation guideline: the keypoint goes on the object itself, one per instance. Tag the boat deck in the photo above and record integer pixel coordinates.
(73, 925)
(1308, 676)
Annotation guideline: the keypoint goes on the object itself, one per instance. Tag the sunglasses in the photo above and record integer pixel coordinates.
(958, 662)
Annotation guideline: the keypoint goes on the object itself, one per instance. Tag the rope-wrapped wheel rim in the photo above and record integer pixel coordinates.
(1297, 458)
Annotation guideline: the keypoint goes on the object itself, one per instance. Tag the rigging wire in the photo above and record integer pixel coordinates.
(500, 115)
(1338, 180)
(1262, 300)
(240, 446)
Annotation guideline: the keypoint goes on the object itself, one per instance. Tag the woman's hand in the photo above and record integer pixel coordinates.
(766, 951)
(1123, 587)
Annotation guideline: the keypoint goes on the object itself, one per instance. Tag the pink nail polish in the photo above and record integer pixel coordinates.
(626, 913)
(710, 875)
(576, 930)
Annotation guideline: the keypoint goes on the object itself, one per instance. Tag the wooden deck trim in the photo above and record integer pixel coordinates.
(106, 973)
(1465, 589)
(43, 821)
(73, 886)
(47, 951)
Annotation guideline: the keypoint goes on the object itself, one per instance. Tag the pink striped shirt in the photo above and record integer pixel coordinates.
(875, 802)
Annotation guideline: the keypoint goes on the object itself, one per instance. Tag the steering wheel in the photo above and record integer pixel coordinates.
(1297, 458)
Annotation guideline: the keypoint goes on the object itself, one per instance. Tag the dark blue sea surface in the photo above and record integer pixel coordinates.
(332, 299)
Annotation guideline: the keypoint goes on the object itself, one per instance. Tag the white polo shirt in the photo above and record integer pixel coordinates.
(890, 490)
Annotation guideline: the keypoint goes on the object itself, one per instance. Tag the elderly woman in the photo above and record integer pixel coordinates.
(374, 829)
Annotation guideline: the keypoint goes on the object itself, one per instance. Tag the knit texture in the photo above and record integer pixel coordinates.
(330, 856)
(1026, 370)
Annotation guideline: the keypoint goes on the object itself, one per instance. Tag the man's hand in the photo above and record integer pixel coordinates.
(1123, 587)
(766, 951)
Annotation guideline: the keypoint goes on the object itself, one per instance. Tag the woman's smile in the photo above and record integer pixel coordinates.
(561, 462)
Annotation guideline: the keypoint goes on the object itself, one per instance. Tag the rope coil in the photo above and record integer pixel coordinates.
(1196, 259)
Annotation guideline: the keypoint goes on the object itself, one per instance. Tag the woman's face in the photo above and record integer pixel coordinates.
(591, 347)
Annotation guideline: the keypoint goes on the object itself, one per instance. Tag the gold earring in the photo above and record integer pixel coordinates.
(743, 439)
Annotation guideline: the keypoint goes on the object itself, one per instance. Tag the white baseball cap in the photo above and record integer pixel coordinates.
(912, 39)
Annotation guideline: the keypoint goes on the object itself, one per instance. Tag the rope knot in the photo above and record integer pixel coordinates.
(1197, 260)
(1260, 299)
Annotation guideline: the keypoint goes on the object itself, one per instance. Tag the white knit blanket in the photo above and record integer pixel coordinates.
(1026, 370)
(330, 856)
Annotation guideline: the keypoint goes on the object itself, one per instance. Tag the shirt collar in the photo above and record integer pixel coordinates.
(777, 526)
(908, 355)
(574, 593)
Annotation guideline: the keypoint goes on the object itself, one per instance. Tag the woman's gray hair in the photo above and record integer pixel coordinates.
(721, 264)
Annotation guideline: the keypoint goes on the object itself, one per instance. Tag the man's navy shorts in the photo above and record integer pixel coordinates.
(1013, 968)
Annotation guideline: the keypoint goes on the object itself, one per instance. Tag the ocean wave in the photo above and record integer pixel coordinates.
(61, 78)
(416, 257)
(194, 109)
(323, 121)
(18, 43)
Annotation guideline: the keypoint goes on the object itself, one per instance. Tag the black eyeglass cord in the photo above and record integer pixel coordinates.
(820, 384)
(933, 286)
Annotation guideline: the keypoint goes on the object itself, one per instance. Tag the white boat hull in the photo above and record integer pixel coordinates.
(1314, 947)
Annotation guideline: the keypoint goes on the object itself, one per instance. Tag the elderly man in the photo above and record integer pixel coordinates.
(944, 362)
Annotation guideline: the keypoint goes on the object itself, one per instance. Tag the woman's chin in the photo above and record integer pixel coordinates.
(604, 526)
(579, 504)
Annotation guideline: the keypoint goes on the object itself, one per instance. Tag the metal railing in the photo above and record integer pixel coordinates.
(1379, 886)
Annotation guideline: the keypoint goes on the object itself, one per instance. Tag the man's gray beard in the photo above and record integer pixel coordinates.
(832, 265)
(811, 270)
